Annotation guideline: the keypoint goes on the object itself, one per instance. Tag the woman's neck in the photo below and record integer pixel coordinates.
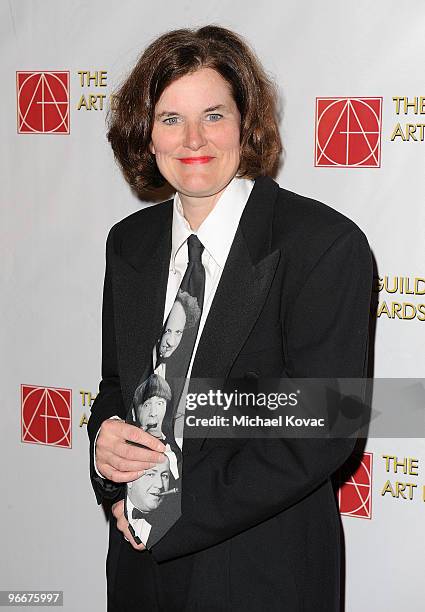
(196, 210)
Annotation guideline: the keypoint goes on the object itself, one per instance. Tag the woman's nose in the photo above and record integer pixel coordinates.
(194, 136)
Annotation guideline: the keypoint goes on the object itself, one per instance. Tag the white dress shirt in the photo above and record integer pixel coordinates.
(216, 233)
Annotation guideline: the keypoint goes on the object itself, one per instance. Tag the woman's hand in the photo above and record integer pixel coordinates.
(122, 524)
(122, 462)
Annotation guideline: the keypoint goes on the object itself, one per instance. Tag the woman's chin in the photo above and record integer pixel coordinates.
(198, 187)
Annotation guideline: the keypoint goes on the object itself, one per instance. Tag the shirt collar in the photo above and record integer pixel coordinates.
(218, 229)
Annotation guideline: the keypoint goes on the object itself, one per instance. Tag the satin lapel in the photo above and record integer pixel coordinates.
(139, 289)
(237, 303)
(241, 293)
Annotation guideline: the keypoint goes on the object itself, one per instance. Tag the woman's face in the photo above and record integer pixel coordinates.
(196, 134)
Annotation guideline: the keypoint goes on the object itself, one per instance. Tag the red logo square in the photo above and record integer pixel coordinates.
(46, 415)
(43, 102)
(355, 492)
(348, 132)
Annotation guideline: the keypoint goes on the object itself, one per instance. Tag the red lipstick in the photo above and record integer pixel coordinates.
(195, 160)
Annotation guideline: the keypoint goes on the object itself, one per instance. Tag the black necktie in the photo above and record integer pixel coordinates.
(158, 403)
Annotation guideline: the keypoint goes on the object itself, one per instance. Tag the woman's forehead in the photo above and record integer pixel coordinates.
(204, 87)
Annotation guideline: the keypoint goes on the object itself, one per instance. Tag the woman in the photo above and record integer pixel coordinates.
(287, 290)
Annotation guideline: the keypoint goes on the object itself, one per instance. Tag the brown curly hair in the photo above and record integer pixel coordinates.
(171, 56)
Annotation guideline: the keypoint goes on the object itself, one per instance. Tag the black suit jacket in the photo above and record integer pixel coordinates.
(260, 527)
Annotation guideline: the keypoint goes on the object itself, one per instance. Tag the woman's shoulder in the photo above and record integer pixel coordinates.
(304, 212)
(141, 223)
(305, 229)
(154, 213)
(302, 220)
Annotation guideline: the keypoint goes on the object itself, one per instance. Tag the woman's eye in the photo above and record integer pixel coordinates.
(215, 116)
(171, 120)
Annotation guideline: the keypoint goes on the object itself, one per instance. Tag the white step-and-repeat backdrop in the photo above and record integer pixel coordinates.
(351, 77)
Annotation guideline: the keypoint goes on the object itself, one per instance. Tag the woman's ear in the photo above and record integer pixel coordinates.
(151, 148)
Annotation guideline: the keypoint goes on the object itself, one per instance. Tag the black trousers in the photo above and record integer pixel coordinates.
(142, 585)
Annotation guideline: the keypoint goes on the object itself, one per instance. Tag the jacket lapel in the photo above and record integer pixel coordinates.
(236, 306)
(140, 285)
(242, 291)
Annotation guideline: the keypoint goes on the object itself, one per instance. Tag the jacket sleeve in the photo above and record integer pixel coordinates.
(109, 401)
(229, 490)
